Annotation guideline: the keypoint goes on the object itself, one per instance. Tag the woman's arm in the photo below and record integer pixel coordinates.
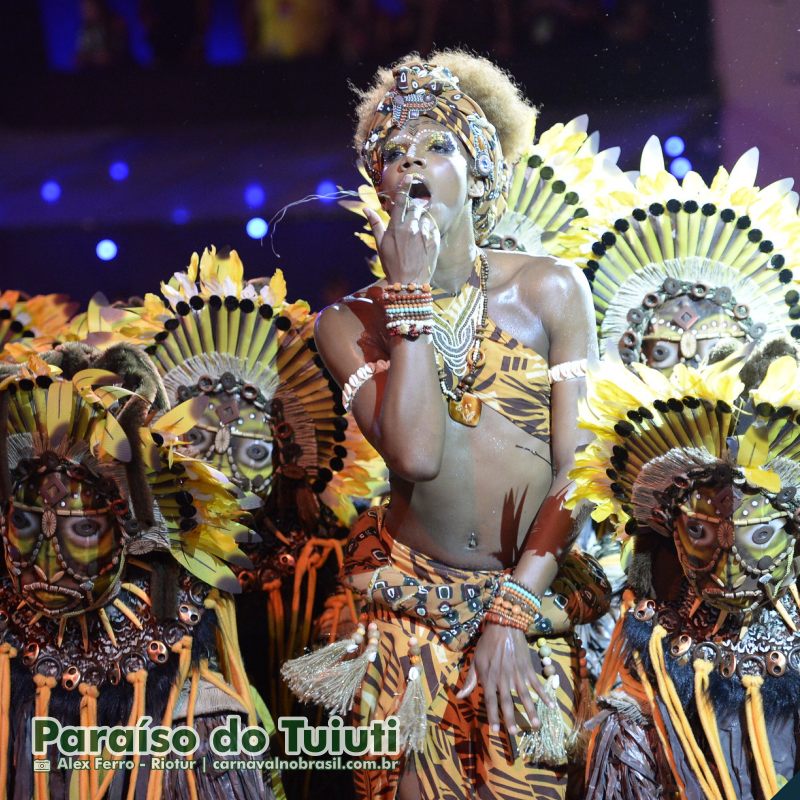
(400, 411)
(572, 338)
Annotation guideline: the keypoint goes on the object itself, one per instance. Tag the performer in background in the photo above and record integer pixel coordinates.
(703, 486)
(115, 599)
(464, 368)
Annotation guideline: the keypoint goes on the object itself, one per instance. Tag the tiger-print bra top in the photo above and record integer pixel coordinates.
(514, 382)
(513, 379)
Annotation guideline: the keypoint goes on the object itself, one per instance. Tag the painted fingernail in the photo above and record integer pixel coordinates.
(513, 730)
(495, 729)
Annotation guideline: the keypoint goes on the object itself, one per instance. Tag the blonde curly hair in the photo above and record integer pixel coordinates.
(491, 87)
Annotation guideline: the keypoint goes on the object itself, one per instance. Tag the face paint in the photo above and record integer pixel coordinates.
(427, 92)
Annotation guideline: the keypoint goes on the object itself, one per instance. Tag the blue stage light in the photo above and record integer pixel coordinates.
(254, 195)
(680, 166)
(674, 146)
(257, 228)
(50, 191)
(106, 250)
(326, 188)
(180, 216)
(118, 171)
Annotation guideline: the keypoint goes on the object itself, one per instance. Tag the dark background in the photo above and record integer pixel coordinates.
(225, 110)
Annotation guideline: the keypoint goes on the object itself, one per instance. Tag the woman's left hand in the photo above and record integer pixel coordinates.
(502, 665)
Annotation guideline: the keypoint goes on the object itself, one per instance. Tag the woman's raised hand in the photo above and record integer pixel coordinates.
(409, 245)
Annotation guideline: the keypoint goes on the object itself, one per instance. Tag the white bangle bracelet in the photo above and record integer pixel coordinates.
(359, 378)
(567, 370)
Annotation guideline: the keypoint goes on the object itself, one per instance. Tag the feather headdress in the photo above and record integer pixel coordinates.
(728, 243)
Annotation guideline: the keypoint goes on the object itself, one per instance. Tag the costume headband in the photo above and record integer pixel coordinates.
(424, 90)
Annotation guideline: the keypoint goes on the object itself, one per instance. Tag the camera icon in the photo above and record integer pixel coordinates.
(40, 765)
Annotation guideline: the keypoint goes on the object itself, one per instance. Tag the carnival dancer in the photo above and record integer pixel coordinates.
(463, 367)
(272, 423)
(700, 473)
(561, 179)
(115, 605)
(675, 266)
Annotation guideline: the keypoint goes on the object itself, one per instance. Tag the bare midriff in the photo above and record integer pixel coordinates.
(476, 512)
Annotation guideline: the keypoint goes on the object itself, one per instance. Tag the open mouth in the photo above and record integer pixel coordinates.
(419, 192)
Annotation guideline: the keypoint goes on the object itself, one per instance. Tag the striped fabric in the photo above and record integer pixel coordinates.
(413, 595)
(513, 379)
(514, 382)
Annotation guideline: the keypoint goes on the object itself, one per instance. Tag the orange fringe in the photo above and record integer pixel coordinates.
(184, 650)
(7, 652)
(229, 653)
(138, 680)
(694, 755)
(314, 554)
(708, 719)
(190, 704)
(658, 721)
(88, 778)
(757, 729)
(44, 686)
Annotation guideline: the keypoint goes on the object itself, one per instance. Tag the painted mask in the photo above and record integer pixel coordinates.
(735, 544)
(680, 324)
(64, 532)
(234, 434)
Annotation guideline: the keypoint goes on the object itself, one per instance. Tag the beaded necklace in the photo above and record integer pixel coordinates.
(458, 330)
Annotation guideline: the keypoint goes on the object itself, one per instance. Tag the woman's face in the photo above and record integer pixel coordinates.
(433, 154)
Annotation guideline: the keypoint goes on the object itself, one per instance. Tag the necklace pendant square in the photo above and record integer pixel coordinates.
(466, 411)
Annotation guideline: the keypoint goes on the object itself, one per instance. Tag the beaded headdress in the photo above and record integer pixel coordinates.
(425, 90)
(554, 182)
(87, 447)
(117, 551)
(250, 354)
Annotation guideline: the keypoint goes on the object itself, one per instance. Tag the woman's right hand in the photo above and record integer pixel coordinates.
(409, 245)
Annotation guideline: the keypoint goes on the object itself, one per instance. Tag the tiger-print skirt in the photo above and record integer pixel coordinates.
(409, 594)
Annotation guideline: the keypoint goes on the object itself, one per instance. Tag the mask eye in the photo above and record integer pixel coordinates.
(25, 524)
(197, 440)
(23, 521)
(696, 531)
(254, 454)
(762, 534)
(700, 534)
(257, 452)
(85, 528)
(660, 353)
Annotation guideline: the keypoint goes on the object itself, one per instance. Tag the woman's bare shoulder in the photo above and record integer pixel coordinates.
(538, 278)
(355, 319)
